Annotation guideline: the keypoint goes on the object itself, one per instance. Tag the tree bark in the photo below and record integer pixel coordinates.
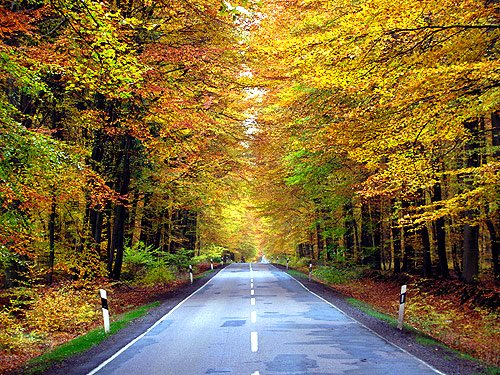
(495, 249)
(52, 236)
(471, 253)
(426, 252)
(121, 211)
(439, 226)
(396, 243)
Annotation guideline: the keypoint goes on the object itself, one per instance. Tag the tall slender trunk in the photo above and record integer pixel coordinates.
(439, 226)
(495, 249)
(396, 243)
(426, 252)
(320, 241)
(121, 210)
(52, 236)
(471, 253)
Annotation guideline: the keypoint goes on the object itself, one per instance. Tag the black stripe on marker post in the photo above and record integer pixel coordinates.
(402, 301)
(402, 298)
(104, 303)
(105, 309)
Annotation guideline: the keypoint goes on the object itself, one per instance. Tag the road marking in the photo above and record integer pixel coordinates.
(98, 368)
(255, 373)
(252, 292)
(251, 280)
(251, 285)
(253, 316)
(254, 342)
(367, 328)
(252, 301)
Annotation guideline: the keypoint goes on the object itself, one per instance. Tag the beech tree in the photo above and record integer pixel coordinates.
(403, 95)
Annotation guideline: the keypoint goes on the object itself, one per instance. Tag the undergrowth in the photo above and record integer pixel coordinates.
(84, 342)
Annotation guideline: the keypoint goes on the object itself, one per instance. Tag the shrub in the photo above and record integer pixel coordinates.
(338, 273)
(159, 274)
(62, 310)
(12, 333)
(213, 252)
(137, 259)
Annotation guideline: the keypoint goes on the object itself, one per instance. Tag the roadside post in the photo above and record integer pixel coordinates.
(105, 309)
(310, 271)
(191, 273)
(211, 264)
(287, 263)
(402, 301)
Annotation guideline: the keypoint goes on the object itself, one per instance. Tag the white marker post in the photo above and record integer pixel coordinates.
(310, 271)
(191, 273)
(211, 264)
(287, 263)
(402, 301)
(105, 309)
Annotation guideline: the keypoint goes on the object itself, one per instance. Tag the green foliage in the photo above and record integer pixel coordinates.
(146, 265)
(158, 274)
(210, 252)
(338, 273)
(181, 259)
(137, 259)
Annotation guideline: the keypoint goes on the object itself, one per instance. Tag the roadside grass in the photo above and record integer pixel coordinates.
(84, 342)
(205, 273)
(369, 310)
(297, 274)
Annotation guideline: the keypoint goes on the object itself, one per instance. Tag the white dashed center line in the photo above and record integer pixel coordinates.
(254, 343)
(253, 316)
(252, 292)
(252, 301)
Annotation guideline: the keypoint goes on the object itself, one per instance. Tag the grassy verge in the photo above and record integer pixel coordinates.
(205, 273)
(85, 342)
(297, 274)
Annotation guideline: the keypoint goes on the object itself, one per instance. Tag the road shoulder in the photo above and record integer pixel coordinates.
(440, 357)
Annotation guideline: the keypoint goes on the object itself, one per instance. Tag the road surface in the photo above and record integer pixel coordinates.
(253, 319)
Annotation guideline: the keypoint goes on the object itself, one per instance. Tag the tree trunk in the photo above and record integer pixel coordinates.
(471, 253)
(396, 242)
(121, 210)
(426, 252)
(495, 249)
(366, 235)
(52, 236)
(439, 226)
(320, 241)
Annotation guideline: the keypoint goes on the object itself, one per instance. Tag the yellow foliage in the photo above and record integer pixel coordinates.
(12, 333)
(62, 310)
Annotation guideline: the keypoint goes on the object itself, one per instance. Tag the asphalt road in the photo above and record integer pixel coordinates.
(253, 319)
